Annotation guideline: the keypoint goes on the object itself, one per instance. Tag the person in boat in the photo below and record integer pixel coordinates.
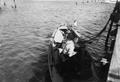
(70, 45)
(71, 42)
(64, 40)
(58, 37)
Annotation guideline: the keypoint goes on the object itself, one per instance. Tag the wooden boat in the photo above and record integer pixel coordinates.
(72, 69)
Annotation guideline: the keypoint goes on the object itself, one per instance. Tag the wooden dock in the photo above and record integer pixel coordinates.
(114, 70)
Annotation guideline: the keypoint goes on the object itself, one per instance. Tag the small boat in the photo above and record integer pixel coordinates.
(63, 68)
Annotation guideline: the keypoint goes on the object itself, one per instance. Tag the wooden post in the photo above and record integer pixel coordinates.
(15, 4)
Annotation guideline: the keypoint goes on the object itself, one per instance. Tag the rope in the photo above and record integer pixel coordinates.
(105, 27)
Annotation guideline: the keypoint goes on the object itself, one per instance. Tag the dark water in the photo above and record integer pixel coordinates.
(24, 34)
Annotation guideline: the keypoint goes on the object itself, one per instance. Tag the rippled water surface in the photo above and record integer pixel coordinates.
(24, 33)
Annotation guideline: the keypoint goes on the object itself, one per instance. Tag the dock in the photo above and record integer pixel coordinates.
(114, 70)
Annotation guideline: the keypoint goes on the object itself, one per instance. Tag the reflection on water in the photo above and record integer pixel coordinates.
(24, 31)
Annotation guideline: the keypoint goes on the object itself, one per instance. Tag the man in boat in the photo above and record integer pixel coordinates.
(64, 39)
(59, 36)
(70, 45)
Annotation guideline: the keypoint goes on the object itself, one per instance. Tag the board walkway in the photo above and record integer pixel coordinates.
(114, 70)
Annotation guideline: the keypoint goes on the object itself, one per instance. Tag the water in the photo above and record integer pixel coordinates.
(24, 33)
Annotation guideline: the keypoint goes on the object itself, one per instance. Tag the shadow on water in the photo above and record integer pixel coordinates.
(40, 69)
(41, 66)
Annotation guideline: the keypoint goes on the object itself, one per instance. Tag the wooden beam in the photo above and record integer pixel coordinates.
(114, 70)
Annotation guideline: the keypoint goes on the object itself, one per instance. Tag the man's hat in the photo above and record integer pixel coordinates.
(62, 28)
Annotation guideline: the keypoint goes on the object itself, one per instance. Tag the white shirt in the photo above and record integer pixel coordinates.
(70, 46)
(58, 36)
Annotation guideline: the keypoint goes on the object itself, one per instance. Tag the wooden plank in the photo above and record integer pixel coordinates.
(114, 70)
